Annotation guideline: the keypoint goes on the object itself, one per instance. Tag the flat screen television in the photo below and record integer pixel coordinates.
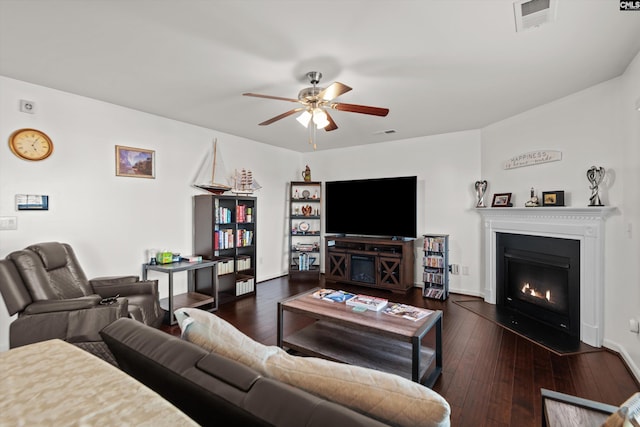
(372, 207)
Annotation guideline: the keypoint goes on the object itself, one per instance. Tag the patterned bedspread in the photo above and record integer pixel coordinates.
(54, 383)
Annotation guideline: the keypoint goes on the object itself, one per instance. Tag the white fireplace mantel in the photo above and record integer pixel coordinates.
(583, 224)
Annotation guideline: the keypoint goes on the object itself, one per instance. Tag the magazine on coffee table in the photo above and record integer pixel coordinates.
(407, 311)
(369, 302)
(333, 296)
(321, 293)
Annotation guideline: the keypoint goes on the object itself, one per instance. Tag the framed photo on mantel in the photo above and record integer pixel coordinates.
(501, 200)
(553, 198)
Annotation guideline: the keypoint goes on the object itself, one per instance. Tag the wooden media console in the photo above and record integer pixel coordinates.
(376, 262)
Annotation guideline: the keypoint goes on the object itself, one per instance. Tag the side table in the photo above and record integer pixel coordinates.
(194, 297)
(564, 410)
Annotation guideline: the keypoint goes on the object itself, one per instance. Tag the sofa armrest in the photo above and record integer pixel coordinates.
(51, 306)
(80, 325)
(113, 280)
(110, 288)
(229, 371)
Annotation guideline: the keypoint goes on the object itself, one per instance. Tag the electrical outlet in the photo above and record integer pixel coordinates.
(8, 223)
(454, 268)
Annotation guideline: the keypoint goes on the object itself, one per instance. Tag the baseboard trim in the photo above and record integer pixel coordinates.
(626, 357)
(466, 292)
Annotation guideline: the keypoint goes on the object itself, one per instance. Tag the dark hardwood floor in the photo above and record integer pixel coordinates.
(491, 377)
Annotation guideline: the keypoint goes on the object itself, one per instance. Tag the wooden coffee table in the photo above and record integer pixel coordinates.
(370, 339)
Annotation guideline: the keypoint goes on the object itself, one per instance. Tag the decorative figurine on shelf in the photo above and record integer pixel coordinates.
(296, 195)
(306, 175)
(481, 188)
(306, 210)
(595, 176)
(533, 201)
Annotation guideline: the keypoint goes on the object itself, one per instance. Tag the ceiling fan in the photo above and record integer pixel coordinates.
(316, 102)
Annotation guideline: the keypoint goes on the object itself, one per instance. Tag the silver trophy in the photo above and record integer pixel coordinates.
(595, 176)
(481, 187)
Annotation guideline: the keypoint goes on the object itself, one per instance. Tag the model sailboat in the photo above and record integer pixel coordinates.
(244, 183)
(215, 184)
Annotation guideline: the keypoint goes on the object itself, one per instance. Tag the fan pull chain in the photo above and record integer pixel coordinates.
(312, 134)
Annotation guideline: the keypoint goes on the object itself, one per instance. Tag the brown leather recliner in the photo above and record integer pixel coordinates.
(46, 286)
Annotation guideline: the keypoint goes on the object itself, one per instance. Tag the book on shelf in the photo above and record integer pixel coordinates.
(244, 213)
(223, 215)
(434, 293)
(305, 262)
(371, 303)
(244, 238)
(223, 239)
(435, 261)
(433, 276)
(192, 258)
(407, 311)
(434, 244)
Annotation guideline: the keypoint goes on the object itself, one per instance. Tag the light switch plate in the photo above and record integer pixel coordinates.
(8, 223)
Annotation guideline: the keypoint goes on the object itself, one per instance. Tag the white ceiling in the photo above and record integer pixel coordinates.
(439, 65)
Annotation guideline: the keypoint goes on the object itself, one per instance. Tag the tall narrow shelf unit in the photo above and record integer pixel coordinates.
(436, 266)
(304, 228)
(224, 227)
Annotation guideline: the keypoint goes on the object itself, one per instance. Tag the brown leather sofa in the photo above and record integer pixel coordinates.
(214, 390)
(45, 285)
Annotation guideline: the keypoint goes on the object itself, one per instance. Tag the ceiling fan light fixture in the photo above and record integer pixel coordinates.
(304, 118)
(320, 118)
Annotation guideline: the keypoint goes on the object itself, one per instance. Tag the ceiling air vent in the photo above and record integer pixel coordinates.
(383, 132)
(533, 13)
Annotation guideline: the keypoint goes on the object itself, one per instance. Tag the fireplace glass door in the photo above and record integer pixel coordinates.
(363, 269)
(541, 288)
(539, 277)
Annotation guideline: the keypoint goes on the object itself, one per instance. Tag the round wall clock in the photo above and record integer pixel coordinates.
(30, 144)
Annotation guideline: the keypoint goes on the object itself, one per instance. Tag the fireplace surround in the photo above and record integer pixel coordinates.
(584, 225)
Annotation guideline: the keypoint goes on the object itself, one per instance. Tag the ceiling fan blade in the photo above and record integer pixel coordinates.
(362, 109)
(281, 116)
(257, 95)
(332, 125)
(332, 91)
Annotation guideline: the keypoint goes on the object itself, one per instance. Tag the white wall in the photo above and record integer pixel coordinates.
(597, 126)
(625, 298)
(110, 221)
(446, 167)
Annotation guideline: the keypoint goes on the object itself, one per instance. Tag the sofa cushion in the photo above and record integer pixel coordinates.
(217, 391)
(384, 396)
